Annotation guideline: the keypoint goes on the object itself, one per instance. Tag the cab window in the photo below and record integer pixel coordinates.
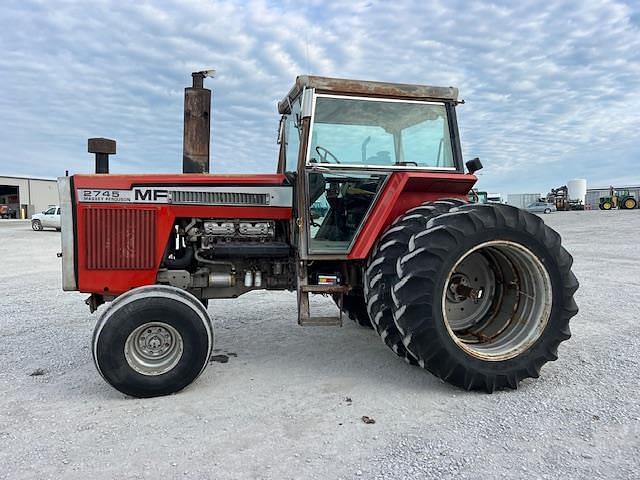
(365, 132)
(292, 132)
(338, 205)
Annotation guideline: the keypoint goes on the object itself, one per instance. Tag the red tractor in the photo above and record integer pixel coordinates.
(368, 205)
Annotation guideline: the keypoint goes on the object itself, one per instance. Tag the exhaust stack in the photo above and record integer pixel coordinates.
(197, 124)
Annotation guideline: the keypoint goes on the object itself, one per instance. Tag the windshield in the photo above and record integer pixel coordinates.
(380, 133)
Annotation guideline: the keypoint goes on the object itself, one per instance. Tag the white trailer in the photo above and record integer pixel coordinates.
(522, 200)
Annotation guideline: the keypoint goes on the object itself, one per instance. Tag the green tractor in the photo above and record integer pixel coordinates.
(622, 199)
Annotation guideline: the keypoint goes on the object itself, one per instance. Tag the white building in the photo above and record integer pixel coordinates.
(27, 195)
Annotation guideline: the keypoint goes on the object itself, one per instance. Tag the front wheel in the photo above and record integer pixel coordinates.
(153, 341)
(36, 225)
(547, 210)
(484, 295)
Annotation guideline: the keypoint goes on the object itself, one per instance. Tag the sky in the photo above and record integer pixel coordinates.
(552, 89)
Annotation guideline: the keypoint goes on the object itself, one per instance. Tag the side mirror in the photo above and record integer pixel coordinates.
(474, 165)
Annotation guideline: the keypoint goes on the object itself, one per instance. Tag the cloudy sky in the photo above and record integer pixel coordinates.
(552, 88)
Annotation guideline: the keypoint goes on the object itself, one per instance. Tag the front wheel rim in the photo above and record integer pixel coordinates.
(153, 348)
(505, 305)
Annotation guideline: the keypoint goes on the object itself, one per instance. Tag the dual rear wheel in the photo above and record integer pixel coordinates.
(479, 295)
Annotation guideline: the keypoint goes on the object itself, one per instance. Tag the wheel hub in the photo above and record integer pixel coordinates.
(469, 292)
(153, 348)
(497, 300)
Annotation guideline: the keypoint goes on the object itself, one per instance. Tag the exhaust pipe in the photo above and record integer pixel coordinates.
(197, 124)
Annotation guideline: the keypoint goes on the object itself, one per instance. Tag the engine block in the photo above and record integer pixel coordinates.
(213, 231)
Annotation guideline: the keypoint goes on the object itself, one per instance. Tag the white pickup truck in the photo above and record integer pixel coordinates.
(50, 218)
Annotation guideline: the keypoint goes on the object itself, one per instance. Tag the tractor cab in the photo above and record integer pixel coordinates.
(344, 144)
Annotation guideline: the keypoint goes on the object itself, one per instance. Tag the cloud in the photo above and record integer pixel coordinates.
(552, 88)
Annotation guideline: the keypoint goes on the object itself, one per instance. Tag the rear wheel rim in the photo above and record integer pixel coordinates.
(497, 301)
(153, 348)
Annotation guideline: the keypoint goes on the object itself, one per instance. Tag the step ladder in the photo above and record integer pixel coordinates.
(304, 315)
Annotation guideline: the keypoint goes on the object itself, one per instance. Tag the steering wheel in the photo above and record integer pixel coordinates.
(324, 153)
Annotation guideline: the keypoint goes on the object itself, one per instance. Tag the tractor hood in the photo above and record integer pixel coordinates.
(197, 189)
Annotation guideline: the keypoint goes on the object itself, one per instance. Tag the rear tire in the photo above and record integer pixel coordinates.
(513, 277)
(629, 203)
(381, 269)
(152, 341)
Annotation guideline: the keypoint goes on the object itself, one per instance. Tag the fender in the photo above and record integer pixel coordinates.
(405, 190)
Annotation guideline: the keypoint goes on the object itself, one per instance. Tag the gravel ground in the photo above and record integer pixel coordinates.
(288, 402)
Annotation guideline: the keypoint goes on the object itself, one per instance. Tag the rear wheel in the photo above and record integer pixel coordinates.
(484, 296)
(629, 203)
(381, 269)
(153, 341)
(36, 225)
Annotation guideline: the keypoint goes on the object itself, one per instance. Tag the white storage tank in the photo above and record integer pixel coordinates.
(577, 189)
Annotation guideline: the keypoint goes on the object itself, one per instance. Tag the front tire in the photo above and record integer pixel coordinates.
(152, 341)
(36, 225)
(484, 296)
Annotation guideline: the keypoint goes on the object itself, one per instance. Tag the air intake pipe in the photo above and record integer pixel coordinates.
(102, 147)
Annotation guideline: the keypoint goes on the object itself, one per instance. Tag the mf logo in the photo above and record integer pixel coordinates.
(150, 195)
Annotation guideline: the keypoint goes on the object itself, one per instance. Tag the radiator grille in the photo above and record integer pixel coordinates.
(220, 198)
(119, 239)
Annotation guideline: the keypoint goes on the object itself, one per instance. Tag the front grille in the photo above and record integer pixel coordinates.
(220, 198)
(120, 238)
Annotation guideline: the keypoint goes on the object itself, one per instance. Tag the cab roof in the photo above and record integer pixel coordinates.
(367, 88)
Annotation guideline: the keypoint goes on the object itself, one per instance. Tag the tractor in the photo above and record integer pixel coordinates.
(368, 206)
(621, 199)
